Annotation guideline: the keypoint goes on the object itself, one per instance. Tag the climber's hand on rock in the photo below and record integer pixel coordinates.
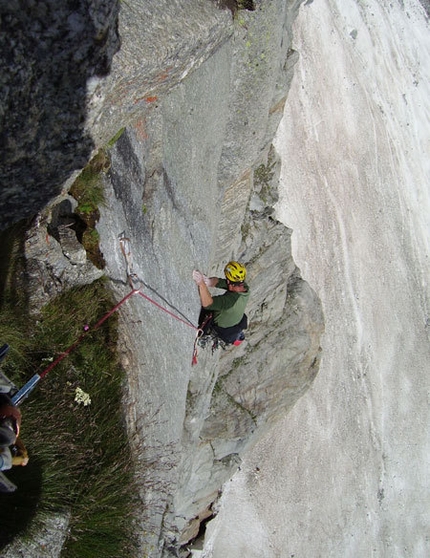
(198, 277)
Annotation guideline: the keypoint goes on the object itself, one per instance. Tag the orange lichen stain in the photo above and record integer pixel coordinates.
(140, 130)
(163, 75)
(149, 99)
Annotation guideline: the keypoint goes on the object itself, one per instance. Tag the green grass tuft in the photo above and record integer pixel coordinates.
(115, 138)
(80, 460)
(88, 190)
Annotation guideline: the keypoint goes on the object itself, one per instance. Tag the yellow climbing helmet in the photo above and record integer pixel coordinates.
(235, 272)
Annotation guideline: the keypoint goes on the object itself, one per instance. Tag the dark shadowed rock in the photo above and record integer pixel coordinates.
(49, 51)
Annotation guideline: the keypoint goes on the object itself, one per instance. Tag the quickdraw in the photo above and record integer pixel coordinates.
(200, 333)
(125, 245)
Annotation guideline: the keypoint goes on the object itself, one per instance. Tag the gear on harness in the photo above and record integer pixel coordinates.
(211, 339)
(209, 336)
(212, 334)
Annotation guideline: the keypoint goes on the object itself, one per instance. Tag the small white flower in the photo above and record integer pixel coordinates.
(82, 397)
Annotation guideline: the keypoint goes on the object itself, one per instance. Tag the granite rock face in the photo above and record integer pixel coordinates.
(55, 260)
(192, 184)
(193, 100)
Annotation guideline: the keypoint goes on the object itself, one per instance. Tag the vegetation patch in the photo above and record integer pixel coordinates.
(263, 176)
(235, 5)
(88, 192)
(73, 426)
(115, 138)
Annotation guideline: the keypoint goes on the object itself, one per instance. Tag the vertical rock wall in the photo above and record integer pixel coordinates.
(193, 101)
(192, 184)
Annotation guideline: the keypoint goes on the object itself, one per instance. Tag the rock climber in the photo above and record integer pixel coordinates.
(227, 311)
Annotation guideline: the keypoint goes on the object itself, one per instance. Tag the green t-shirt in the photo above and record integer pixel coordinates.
(228, 308)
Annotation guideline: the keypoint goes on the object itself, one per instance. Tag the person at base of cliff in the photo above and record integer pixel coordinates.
(224, 314)
(12, 450)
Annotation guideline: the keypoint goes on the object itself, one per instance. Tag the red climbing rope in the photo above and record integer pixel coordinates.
(146, 297)
(126, 250)
(76, 343)
(104, 318)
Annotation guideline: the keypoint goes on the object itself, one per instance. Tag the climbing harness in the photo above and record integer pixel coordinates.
(200, 336)
(207, 336)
